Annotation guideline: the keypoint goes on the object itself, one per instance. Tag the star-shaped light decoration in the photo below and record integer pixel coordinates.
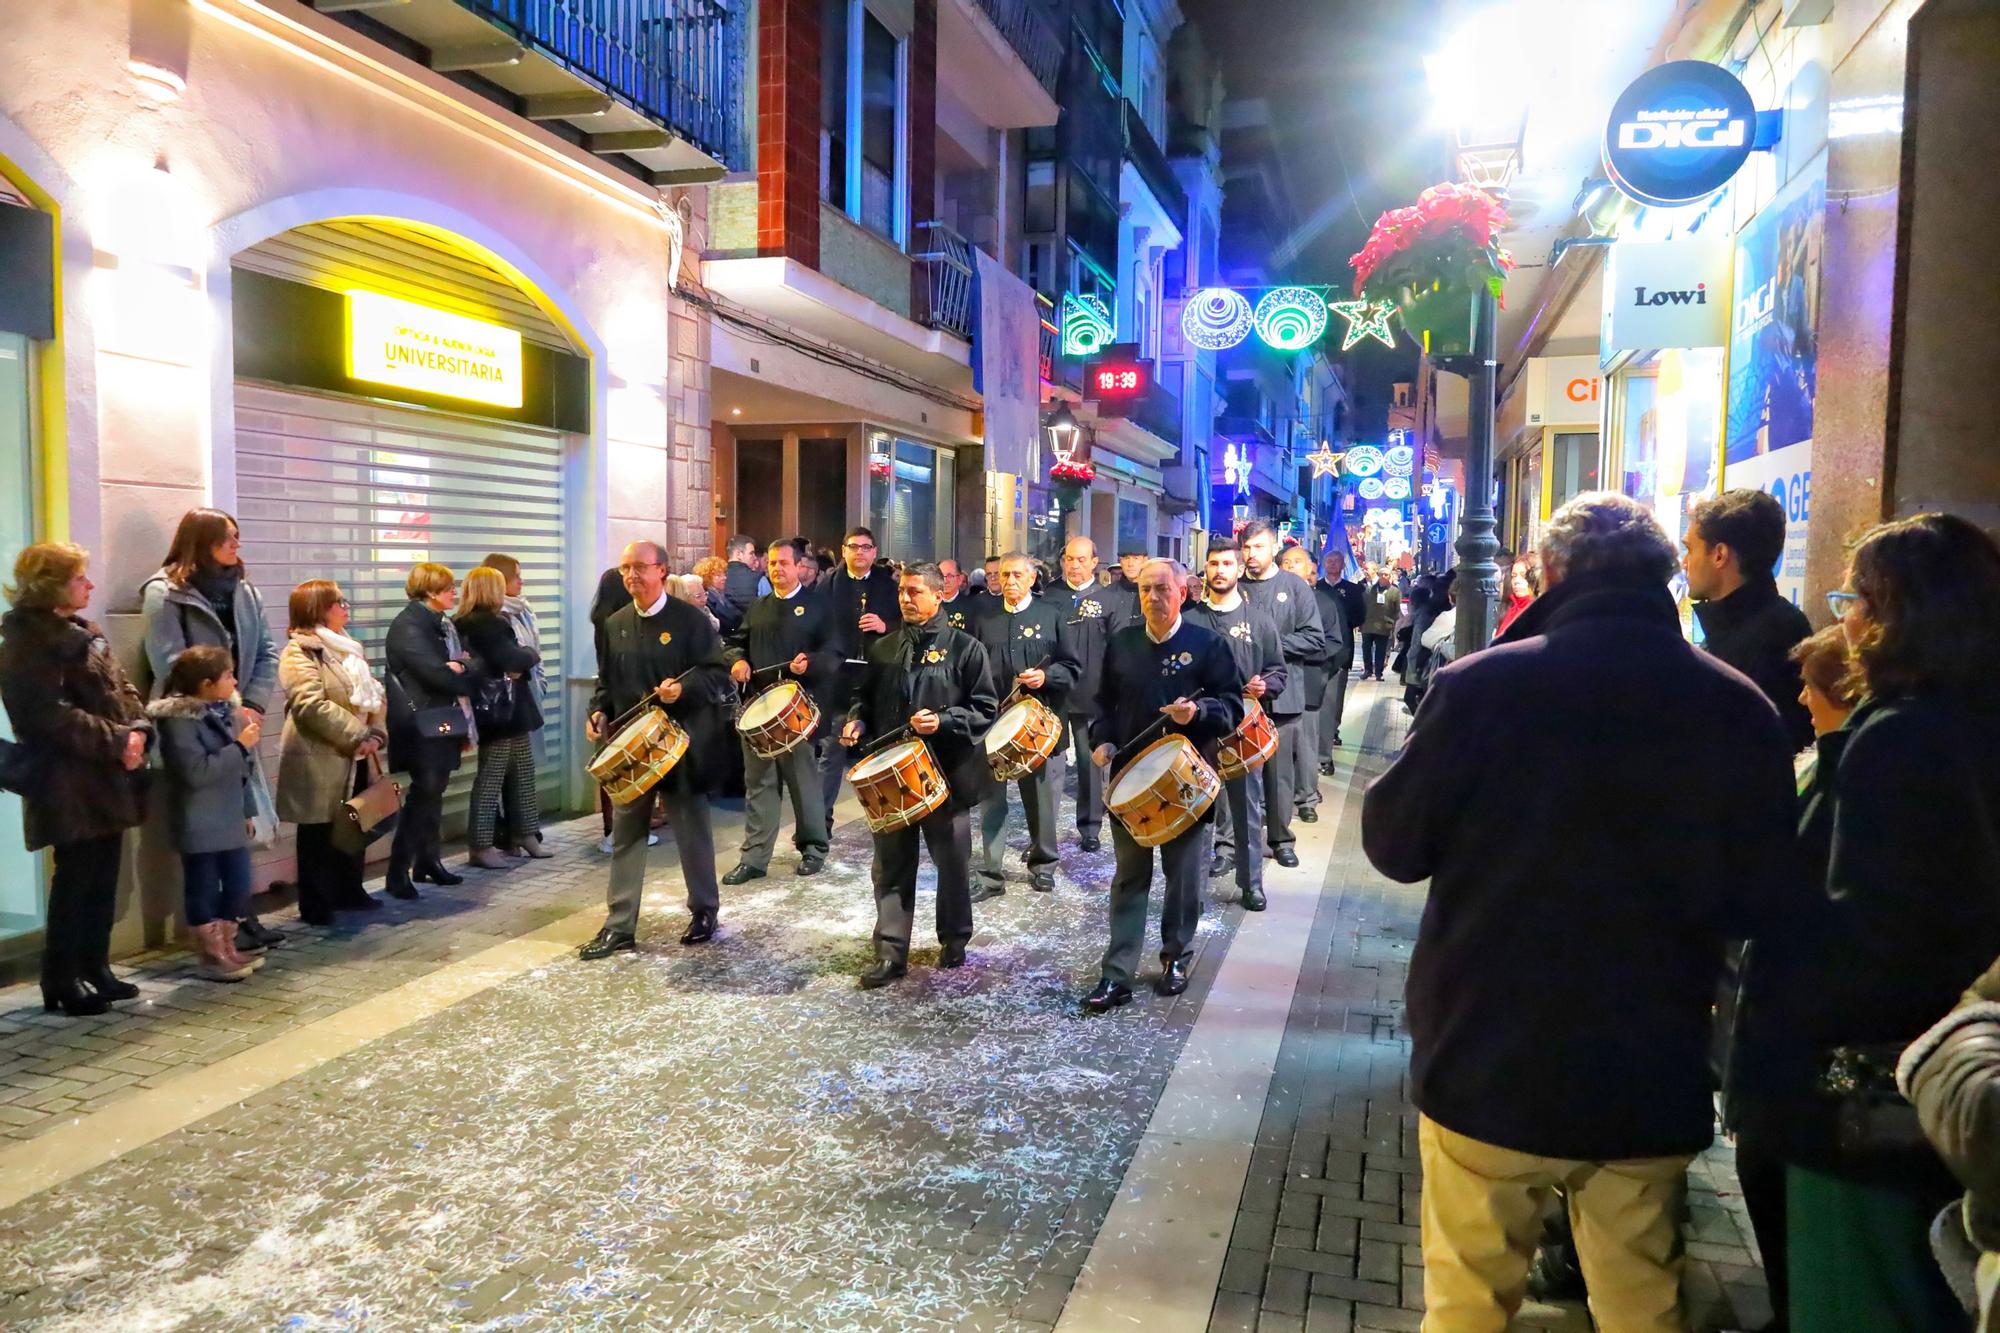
(1326, 463)
(1365, 319)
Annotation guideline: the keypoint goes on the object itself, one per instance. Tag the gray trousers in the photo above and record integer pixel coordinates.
(833, 761)
(948, 834)
(1241, 806)
(1280, 784)
(796, 772)
(1331, 705)
(1305, 761)
(694, 839)
(1183, 864)
(1089, 779)
(1038, 803)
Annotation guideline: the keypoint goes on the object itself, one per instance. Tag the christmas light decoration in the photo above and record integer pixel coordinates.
(1371, 489)
(1400, 460)
(1325, 462)
(1236, 466)
(1364, 460)
(1290, 319)
(1086, 326)
(1365, 319)
(1216, 319)
(1396, 488)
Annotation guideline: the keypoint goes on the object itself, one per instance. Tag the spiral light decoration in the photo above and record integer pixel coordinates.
(1290, 319)
(1216, 319)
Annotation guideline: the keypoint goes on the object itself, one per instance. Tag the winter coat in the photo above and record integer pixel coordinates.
(932, 666)
(419, 677)
(497, 651)
(322, 732)
(739, 589)
(71, 708)
(1754, 629)
(1095, 613)
(1289, 601)
(208, 787)
(1384, 608)
(1037, 634)
(178, 618)
(1900, 830)
(1582, 884)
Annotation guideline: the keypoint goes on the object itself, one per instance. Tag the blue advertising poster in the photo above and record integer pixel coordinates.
(1773, 338)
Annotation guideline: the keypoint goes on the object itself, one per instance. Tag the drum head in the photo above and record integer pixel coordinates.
(884, 760)
(768, 705)
(1147, 769)
(1009, 726)
(643, 725)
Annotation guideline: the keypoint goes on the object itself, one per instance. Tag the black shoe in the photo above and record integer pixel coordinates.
(701, 929)
(1337, 743)
(398, 885)
(986, 889)
(882, 974)
(743, 874)
(810, 865)
(1041, 881)
(105, 982)
(1106, 996)
(1326, 769)
(606, 943)
(435, 873)
(1173, 976)
(952, 954)
(1286, 857)
(1221, 865)
(1088, 842)
(1308, 814)
(1253, 900)
(360, 900)
(73, 998)
(265, 937)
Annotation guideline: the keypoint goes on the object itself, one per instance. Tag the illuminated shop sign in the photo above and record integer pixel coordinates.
(415, 347)
(1679, 133)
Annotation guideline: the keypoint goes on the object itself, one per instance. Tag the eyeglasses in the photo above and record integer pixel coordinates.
(857, 546)
(1840, 603)
(342, 602)
(633, 569)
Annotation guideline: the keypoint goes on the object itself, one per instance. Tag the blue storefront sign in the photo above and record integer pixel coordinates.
(1679, 133)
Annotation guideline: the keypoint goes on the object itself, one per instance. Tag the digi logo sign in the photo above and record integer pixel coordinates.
(1679, 133)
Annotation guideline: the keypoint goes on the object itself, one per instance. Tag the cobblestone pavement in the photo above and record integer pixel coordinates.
(1326, 1237)
(731, 1137)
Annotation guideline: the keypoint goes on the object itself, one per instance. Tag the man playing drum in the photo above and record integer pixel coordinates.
(929, 681)
(861, 596)
(1164, 668)
(786, 638)
(1095, 611)
(1289, 601)
(660, 647)
(1027, 643)
(1252, 637)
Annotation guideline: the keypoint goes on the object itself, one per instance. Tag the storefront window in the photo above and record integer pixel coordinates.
(20, 878)
(1134, 524)
(1670, 432)
(1573, 465)
(910, 490)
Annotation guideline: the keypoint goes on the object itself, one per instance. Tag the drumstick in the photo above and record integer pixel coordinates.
(1147, 730)
(1008, 702)
(651, 698)
(881, 741)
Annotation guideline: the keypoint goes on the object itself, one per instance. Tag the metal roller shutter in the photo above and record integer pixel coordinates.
(358, 491)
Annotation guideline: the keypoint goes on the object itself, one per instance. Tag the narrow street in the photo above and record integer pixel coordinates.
(445, 1121)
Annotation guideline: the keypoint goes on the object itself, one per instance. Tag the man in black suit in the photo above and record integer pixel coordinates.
(785, 636)
(861, 599)
(1095, 613)
(1337, 601)
(1028, 648)
(1163, 667)
(933, 680)
(1288, 601)
(660, 647)
(740, 579)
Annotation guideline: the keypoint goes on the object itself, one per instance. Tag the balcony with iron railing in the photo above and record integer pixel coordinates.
(658, 84)
(943, 273)
(1032, 36)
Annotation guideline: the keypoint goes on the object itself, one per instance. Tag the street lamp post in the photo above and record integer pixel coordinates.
(1478, 574)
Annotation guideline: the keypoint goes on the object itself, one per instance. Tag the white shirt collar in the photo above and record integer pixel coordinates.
(1026, 602)
(1235, 600)
(1172, 630)
(797, 588)
(1080, 587)
(653, 610)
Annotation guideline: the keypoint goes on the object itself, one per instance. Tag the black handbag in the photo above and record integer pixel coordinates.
(443, 722)
(496, 704)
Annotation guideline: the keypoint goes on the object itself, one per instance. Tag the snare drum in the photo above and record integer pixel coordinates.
(898, 786)
(1022, 740)
(1248, 747)
(1164, 792)
(778, 719)
(644, 751)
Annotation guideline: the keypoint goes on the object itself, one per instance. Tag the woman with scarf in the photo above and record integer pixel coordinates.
(203, 597)
(335, 715)
(1524, 585)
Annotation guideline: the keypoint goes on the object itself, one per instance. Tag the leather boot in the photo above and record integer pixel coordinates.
(211, 962)
(226, 951)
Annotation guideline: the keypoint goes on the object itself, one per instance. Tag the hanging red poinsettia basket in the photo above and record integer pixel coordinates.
(1437, 256)
(1074, 474)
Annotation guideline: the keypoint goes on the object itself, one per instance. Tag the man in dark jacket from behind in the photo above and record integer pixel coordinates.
(745, 572)
(1560, 989)
(1733, 543)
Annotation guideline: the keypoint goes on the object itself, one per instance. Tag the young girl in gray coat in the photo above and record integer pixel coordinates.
(207, 738)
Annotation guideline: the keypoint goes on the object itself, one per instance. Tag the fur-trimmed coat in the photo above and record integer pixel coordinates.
(209, 795)
(71, 707)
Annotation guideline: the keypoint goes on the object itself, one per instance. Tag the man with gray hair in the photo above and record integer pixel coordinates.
(1598, 808)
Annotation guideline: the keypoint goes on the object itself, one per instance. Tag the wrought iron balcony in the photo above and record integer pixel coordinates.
(1031, 35)
(659, 82)
(944, 283)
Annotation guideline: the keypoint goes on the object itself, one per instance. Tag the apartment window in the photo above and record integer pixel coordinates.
(864, 80)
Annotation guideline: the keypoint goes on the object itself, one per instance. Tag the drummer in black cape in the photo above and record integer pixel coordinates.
(1165, 668)
(962, 606)
(1027, 642)
(928, 681)
(659, 647)
(1252, 636)
(1289, 601)
(862, 597)
(786, 635)
(1096, 610)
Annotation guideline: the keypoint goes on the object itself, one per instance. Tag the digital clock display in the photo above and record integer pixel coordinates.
(1118, 379)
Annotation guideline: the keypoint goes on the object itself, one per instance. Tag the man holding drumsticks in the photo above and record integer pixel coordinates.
(1162, 677)
(785, 635)
(929, 681)
(662, 647)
